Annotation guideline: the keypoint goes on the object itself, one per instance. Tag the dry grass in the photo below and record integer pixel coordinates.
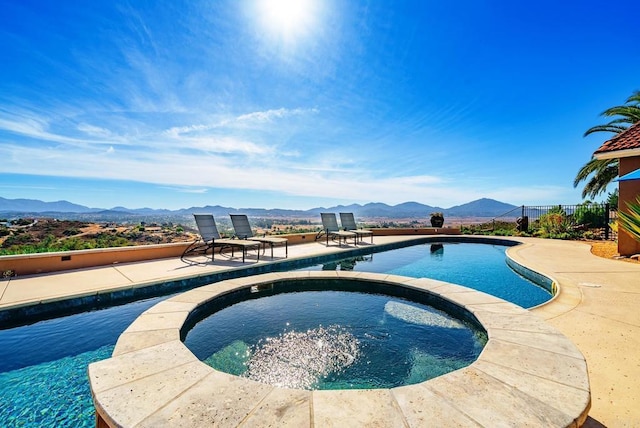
(608, 250)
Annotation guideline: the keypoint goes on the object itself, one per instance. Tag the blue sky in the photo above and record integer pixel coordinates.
(281, 104)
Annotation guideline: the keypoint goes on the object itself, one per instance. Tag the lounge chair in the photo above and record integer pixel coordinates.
(210, 239)
(243, 230)
(331, 230)
(349, 224)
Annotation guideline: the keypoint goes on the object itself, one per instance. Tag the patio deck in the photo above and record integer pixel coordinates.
(596, 308)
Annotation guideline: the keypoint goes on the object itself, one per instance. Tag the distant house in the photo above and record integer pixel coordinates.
(626, 148)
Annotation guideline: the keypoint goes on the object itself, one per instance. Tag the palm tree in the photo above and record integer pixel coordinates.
(601, 172)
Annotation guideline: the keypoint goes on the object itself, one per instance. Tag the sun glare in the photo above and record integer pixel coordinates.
(287, 18)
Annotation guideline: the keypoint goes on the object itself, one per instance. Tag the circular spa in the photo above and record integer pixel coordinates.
(377, 350)
(334, 334)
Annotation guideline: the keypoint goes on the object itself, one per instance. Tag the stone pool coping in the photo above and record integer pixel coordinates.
(527, 374)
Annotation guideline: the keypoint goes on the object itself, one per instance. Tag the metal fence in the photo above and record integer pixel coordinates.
(592, 217)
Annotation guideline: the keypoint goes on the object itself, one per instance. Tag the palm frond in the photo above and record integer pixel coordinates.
(632, 112)
(601, 171)
(589, 168)
(634, 98)
(622, 120)
(630, 221)
(616, 129)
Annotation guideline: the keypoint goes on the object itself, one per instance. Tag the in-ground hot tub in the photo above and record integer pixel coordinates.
(527, 374)
(333, 333)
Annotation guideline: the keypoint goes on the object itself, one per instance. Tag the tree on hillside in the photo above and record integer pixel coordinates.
(600, 172)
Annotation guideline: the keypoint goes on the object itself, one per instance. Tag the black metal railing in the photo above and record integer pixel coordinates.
(592, 217)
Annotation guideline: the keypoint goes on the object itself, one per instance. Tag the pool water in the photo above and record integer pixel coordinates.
(50, 394)
(478, 266)
(43, 366)
(334, 340)
(55, 353)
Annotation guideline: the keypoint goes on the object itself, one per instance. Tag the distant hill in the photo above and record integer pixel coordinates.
(380, 210)
(34, 205)
(480, 208)
(62, 209)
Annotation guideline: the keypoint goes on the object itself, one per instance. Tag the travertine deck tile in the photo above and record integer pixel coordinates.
(134, 341)
(502, 308)
(545, 364)
(449, 288)
(158, 321)
(470, 298)
(281, 408)
(116, 371)
(172, 306)
(356, 408)
(511, 321)
(129, 404)
(425, 283)
(219, 400)
(546, 341)
(196, 295)
(492, 403)
(566, 399)
(424, 408)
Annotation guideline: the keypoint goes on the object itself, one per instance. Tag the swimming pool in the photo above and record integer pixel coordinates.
(52, 355)
(478, 266)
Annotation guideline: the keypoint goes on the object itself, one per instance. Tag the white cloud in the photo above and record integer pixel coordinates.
(36, 127)
(244, 120)
(178, 131)
(187, 189)
(223, 145)
(270, 115)
(94, 131)
(196, 173)
(241, 152)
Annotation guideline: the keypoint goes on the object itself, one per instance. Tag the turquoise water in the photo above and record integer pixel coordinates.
(51, 394)
(52, 355)
(43, 366)
(334, 340)
(478, 266)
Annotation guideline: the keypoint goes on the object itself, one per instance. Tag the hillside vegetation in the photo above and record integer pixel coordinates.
(27, 236)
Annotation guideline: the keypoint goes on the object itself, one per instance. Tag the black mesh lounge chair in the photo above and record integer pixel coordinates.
(349, 224)
(210, 239)
(243, 230)
(331, 230)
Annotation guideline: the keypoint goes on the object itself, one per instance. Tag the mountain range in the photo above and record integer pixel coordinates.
(479, 208)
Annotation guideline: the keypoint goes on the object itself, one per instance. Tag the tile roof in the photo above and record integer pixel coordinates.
(627, 140)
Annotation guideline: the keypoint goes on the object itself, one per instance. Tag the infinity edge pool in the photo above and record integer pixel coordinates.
(28, 313)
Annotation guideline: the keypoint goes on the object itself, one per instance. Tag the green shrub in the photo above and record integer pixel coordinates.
(591, 215)
(555, 224)
(17, 239)
(71, 232)
(22, 222)
(496, 228)
(71, 244)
